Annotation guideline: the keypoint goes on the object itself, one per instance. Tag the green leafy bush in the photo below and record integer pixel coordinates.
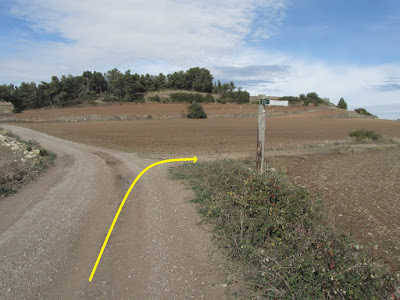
(186, 98)
(155, 98)
(310, 98)
(363, 111)
(109, 97)
(196, 111)
(238, 97)
(276, 232)
(209, 98)
(222, 100)
(365, 134)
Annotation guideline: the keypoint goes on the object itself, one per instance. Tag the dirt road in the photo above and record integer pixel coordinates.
(51, 232)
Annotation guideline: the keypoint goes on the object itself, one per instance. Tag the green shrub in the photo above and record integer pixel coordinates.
(155, 98)
(196, 111)
(222, 100)
(363, 111)
(238, 97)
(306, 100)
(186, 98)
(209, 98)
(109, 98)
(16, 110)
(276, 232)
(365, 134)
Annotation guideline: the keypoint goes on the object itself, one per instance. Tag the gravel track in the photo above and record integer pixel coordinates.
(52, 230)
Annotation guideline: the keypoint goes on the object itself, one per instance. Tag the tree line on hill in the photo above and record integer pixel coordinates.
(115, 86)
(310, 98)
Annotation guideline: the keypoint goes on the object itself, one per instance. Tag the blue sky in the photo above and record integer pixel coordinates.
(354, 31)
(336, 48)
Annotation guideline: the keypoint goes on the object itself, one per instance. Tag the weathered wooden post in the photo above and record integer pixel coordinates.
(260, 158)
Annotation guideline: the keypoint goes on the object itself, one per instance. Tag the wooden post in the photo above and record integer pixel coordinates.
(241, 226)
(261, 139)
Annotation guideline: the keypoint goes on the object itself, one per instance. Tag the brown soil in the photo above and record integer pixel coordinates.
(156, 110)
(360, 192)
(213, 138)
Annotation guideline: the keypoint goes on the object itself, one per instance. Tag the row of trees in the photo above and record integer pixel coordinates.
(72, 90)
(310, 98)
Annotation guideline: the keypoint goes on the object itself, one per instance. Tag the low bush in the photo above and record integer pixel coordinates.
(366, 135)
(196, 111)
(155, 98)
(109, 97)
(209, 98)
(239, 97)
(186, 98)
(190, 97)
(275, 232)
(222, 100)
(363, 111)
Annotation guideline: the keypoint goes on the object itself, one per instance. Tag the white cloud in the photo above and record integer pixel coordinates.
(175, 31)
(168, 35)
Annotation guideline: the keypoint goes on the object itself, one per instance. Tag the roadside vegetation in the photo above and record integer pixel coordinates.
(278, 236)
(20, 162)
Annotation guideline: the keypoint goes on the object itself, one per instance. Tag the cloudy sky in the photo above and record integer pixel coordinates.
(341, 48)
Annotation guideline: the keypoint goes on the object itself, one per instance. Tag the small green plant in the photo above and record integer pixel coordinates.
(196, 111)
(366, 135)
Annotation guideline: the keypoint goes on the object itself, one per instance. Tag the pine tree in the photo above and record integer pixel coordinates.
(342, 104)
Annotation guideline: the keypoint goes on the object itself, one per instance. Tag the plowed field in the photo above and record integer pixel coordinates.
(212, 137)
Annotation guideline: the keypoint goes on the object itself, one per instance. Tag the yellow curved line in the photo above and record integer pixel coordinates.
(194, 159)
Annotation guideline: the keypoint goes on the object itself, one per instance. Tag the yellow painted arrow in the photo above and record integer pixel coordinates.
(194, 159)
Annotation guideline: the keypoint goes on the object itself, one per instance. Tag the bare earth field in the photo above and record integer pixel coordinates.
(361, 194)
(154, 109)
(226, 137)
